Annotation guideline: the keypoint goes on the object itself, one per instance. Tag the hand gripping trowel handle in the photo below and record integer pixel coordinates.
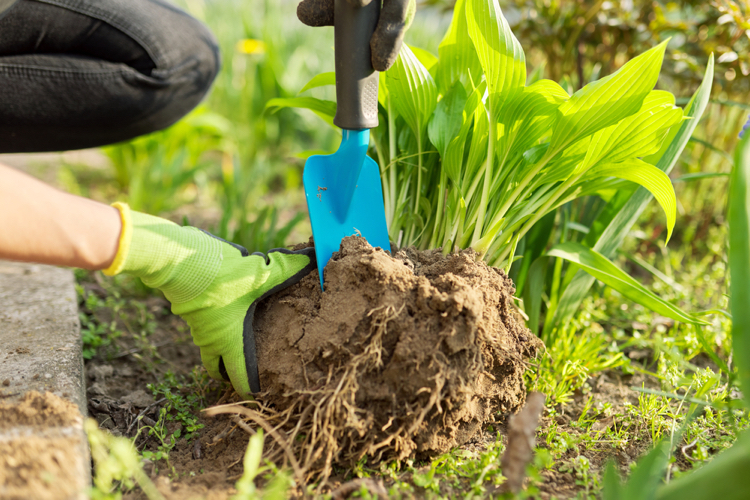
(356, 80)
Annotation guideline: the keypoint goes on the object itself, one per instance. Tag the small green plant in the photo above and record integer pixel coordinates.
(177, 417)
(98, 333)
(278, 482)
(573, 354)
(116, 465)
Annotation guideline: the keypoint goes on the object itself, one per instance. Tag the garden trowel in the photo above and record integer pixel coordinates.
(343, 190)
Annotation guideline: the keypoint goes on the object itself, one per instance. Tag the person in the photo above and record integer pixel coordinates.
(83, 73)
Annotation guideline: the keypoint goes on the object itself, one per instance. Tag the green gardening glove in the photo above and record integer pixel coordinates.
(395, 18)
(212, 284)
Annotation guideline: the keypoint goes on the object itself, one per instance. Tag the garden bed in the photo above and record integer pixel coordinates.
(148, 385)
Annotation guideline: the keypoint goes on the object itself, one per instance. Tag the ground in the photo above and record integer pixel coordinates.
(615, 382)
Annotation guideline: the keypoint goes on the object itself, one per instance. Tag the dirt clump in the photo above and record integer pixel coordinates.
(401, 356)
(41, 448)
(39, 409)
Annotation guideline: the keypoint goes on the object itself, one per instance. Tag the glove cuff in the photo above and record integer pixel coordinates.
(123, 245)
(180, 261)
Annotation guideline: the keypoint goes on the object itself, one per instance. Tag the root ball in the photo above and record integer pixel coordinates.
(401, 356)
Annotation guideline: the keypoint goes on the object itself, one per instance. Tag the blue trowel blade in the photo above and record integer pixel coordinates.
(345, 197)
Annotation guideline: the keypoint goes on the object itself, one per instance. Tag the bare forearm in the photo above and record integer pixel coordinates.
(41, 224)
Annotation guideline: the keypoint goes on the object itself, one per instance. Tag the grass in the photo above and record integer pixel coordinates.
(618, 377)
(587, 372)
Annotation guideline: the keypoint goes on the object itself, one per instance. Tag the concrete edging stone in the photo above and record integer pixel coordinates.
(40, 349)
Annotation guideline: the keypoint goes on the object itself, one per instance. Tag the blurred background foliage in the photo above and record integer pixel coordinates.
(229, 164)
(583, 40)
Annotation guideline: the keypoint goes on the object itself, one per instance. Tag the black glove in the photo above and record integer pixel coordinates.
(395, 18)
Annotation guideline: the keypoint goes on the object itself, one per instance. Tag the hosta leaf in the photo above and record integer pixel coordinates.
(609, 100)
(320, 80)
(605, 271)
(412, 90)
(427, 58)
(448, 118)
(480, 135)
(458, 58)
(527, 115)
(619, 221)
(324, 109)
(454, 155)
(499, 52)
(565, 164)
(637, 135)
(648, 176)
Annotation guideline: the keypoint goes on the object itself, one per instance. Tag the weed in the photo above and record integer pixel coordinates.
(277, 482)
(116, 465)
(98, 333)
(177, 417)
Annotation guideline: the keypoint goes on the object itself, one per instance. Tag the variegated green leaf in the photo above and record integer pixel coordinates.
(480, 135)
(607, 101)
(447, 119)
(458, 58)
(454, 154)
(527, 116)
(412, 90)
(501, 55)
(646, 175)
(637, 135)
(565, 164)
(427, 58)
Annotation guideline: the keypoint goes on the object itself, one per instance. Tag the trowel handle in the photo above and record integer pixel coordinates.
(356, 80)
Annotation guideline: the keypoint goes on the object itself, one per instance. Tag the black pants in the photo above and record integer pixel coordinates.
(82, 73)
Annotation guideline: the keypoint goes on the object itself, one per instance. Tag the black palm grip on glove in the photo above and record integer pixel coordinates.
(248, 333)
(388, 36)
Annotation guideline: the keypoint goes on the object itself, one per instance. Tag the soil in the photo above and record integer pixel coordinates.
(440, 314)
(36, 461)
(39, 409)
(400, 357)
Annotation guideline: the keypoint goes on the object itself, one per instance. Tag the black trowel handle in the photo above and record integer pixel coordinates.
(356, 80)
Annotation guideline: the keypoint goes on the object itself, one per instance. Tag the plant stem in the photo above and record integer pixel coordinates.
(386, 187)
(527, 178)
(419, 173)
(417, 194)
(544, 210)
(391, 210)
(439, 210)
(487, 181)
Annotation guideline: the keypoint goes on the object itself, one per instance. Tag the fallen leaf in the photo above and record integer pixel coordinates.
(520, 449)
(602, 425)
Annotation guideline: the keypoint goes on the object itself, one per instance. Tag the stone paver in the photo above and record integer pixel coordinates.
(40, 347)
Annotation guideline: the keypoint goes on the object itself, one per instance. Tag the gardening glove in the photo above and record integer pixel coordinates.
(395, 18)
(212, 284)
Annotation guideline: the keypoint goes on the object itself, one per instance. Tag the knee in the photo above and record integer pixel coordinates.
(187, 60)
(193, 60)
(207, 56)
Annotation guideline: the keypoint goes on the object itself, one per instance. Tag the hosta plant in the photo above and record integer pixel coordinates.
(474, 151)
